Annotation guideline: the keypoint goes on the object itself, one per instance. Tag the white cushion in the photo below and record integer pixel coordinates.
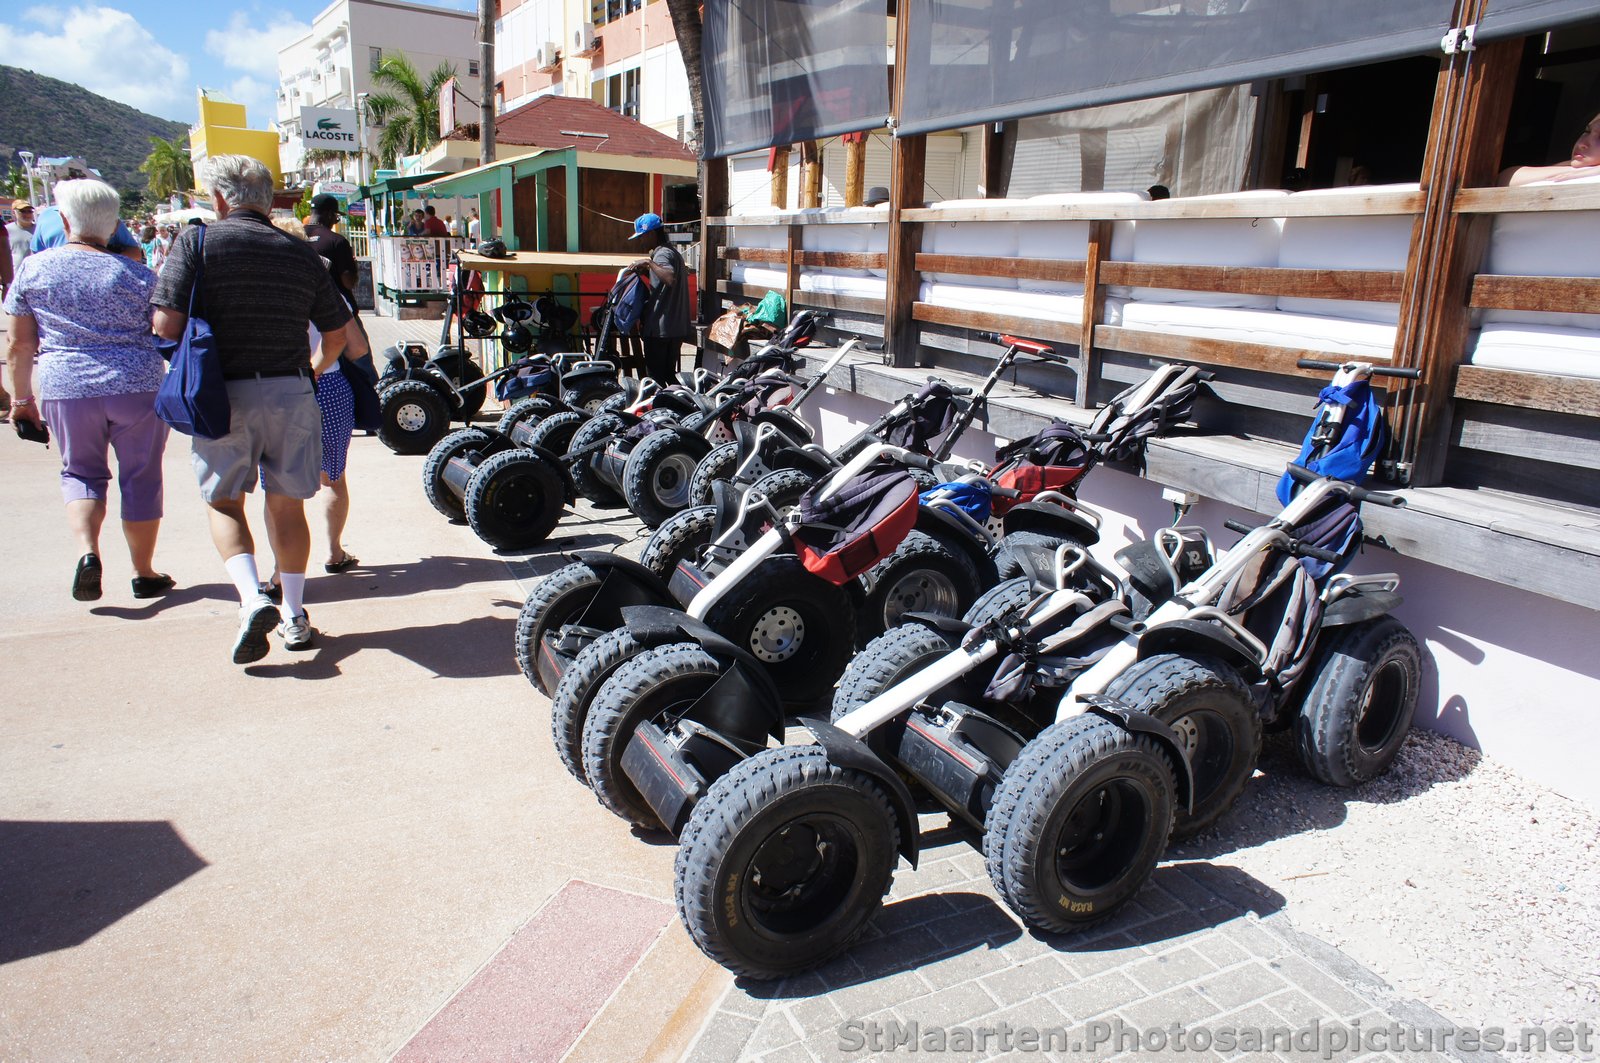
(758, 236)
(843, 284)
(757, 275)
(988, 238)
(1377, 242)
(1539, 349)
(1333, 335)
(1051, 307)
(1559, 243)
(1210, 242)
(837, 238)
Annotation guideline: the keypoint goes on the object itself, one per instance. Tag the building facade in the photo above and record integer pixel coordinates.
(622, 54)
(333, 65)
(223, 129)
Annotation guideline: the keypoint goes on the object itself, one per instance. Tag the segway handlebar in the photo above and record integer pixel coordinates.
(1405, 372)
(1033, 347)
(1304, 475)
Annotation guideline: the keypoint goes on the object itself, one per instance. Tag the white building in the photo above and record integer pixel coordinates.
(333, 64)
(623, 54)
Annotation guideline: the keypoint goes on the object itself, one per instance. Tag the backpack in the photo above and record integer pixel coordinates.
(1053, 460)
(629, 299)
(933, 409)
(844, 535)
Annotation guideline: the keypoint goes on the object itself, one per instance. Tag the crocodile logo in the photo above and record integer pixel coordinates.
(328, 123)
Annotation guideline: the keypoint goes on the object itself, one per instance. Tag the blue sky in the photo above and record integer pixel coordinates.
(154, 54)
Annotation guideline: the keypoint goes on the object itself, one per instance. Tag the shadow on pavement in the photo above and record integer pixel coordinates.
(1179, 899)
(468, 649)
(171, 600)
(62, 883)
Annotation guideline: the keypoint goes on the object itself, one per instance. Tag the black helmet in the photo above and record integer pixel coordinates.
(516, 338)
(477, 324)
(493, 249)
(515, 308)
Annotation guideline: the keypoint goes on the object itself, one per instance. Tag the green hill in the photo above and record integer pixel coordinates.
(55, 118)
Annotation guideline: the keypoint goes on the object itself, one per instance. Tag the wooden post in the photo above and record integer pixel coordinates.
(1094, 301)
(810, 175)
(1462, 241)
(791, 265)
(908, 160)
(780, 178)
(713, 204)
(855, 172)
(573, 243)
(998, 149)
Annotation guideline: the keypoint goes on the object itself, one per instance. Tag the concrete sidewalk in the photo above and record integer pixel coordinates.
(371, 851)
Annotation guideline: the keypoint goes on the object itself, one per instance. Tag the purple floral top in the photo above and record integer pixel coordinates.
(93, 314)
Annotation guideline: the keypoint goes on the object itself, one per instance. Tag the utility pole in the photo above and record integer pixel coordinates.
(486, 92)
(27, 168)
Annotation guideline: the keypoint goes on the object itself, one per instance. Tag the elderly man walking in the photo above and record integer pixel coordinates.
(260, 290)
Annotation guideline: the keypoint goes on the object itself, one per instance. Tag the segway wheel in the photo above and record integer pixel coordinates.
(1360, 703)
(1212, 712)
(589, 394)
(681, 537)
(555, 432)
(1078, 823)
(534, 408)
(922, 575)
(655, 482)
(514, 500)
(569, 705)
(584, 478)
(1007, 597)
(784, 488)
(891, 658)
(615, 403)
(784, 862)
(559, 599)
(454, 445)
(660, 685)
(415, 417)
(800, 627)
(720, 464)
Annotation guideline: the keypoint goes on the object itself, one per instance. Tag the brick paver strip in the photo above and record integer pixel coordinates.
(531, 1001)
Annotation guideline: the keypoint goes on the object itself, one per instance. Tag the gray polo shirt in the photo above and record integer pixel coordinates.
(668, 313)
(260, 289)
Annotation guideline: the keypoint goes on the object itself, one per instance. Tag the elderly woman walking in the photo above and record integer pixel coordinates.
(83, 312)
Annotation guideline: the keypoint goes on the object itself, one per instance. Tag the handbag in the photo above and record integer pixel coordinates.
(193, 397)
(368, 408)
(725, 330)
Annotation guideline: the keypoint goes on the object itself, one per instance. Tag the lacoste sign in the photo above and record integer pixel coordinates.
(328, 129)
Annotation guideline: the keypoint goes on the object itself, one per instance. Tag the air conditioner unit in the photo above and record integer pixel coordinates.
(547, 55)
(583, 38)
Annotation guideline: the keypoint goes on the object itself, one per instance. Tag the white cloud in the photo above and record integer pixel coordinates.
(254, 49)
(104, 50)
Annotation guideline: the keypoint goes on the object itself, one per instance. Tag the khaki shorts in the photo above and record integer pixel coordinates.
(275, 433)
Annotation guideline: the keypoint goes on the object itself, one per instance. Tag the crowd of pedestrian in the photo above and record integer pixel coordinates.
(88, 305)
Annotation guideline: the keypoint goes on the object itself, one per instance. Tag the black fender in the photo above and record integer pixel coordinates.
(804, 460)
(573, 378)
(624, 582)
(1048, 518)
(1354, 608)
(956, 536)
(1135, 722)
(850, 752)
(743, 704)
(1200, 637)
(787, 422)
(450, 360)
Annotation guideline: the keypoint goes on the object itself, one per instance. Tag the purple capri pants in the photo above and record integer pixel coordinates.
(126, 425)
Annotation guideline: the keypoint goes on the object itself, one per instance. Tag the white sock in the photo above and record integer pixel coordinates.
(294, 594)
(242, 569)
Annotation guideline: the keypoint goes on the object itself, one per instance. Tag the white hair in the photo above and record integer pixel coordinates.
(90, 207)
(245, 183)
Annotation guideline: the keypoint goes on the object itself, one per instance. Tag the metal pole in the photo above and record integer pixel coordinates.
(361, 136)
(486, 89)
(27, 168)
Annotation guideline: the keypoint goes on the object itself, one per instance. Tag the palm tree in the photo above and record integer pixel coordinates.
(408, 114)
(168, 166)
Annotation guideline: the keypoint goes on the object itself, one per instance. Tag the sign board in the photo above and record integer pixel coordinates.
(342, 189)
(328, 129)
(447, 108)
(364, 293)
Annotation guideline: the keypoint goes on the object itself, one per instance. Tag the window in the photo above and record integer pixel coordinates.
(375, 57)
(472, 68)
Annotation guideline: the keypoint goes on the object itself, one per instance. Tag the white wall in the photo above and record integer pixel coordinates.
(1504, 671)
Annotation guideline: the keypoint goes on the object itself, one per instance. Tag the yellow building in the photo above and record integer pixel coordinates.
(222, 131)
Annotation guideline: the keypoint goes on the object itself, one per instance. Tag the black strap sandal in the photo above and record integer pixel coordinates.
(345, 564)
(153, 586)
(86, 580)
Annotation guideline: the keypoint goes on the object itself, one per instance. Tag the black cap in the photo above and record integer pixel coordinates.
(326, 204)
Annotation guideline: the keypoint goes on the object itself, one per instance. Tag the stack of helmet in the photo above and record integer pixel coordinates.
(515, 312)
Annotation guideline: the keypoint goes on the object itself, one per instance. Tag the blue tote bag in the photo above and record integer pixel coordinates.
(193, 397)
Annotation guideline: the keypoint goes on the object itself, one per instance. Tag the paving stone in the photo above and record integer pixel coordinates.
(1179, 928)
(896, 917)
(1096, 996)
(737, 1002)
(1182, 1005)
(838, 972)
(1248, 934)
(964, 966)
(1093, 963)
(775, 1030)
(985, 922)
(1240, 985)
(1220, 951)
(948, 1007)
(723, 1040)
(1254, 1016)
(818, 1013)
(897, 952)
(1160, 973)
(879, 993)
(795, 1053)
(1329, 991)
(1024, 981)
(1297, 1009)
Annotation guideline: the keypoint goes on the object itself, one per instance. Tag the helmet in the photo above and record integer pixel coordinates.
(516, 338)
(477, 324)
(515, 308)
(493, 249)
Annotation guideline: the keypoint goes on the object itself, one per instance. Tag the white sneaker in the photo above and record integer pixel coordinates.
(297, 632)
(255, 620)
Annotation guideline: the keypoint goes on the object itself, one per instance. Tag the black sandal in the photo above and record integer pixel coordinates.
(153, 586)
(343, 565)
(86, 580)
